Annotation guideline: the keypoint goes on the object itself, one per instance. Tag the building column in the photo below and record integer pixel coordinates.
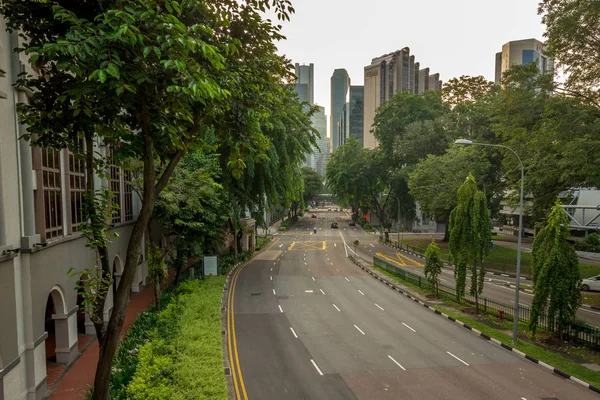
(66, 336)
(28, 184)
(35, 361)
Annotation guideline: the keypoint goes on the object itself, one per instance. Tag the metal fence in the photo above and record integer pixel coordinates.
(578, 331)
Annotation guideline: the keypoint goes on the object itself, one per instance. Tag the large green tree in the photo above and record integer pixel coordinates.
(433, 265)
(555, 270)
(313, 183)
(572, 38)
(149, 78)
(470, 234)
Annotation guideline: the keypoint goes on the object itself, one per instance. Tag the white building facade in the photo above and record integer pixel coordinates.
(41, 193)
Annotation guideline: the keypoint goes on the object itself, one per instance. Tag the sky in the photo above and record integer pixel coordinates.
(452, 37)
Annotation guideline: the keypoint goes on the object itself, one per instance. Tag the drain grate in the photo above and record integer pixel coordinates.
(256, 294)
(282, 297)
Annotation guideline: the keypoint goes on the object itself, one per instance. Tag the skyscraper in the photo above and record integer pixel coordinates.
(388, 74)
(321, 152)
(522, 52)
(305, 82)
(340, 83)
(356, 117)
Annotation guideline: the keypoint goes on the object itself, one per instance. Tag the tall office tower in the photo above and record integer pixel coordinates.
(356, 113)
(340, 84)
(388, 74)
(522, 52)
(305, 82)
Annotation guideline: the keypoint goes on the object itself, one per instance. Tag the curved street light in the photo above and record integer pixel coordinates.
(518, 279)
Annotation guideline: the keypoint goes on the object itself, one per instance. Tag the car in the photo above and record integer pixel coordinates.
(592, 283)
(352, 223)
(314, 216)
(334, 225)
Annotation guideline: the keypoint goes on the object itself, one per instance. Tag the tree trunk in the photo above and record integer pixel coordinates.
(475, 278)
(109, 341)
(97, 226)
(157, 295)
(446, 232)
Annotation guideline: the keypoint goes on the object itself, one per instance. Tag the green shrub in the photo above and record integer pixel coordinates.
(591, 243)
(184, 359)
(261, 242)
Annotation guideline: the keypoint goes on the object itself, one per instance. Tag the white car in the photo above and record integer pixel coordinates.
(592, 283)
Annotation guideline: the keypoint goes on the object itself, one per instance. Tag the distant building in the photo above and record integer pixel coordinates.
(342, 125)
(356, 113)
(340, 84)
(522, 52)
(388, 74)
(305, 82)
(319, 122)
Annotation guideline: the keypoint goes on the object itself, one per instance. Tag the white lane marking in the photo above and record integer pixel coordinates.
(305, 264)
(361, 292)
(308, 291)
(408, 327)
(336, 307)
(316, 367)
(335, 245)
(274, 263)
(371, 244)
(347, 279)
(271, 268)
(294, 332)
(280, 309)
(331, 263)
(396, 362)
(271, 277)
(322, 291)
(281, 245)
(523, 398)
(359, 329)
(458, 358)
(314, 278)
(274, 292)
(378, 306)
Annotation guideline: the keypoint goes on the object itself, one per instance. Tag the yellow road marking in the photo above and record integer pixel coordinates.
(291, 246)
(410, 259)
(236, 368)
(395, 261)
(324, 245)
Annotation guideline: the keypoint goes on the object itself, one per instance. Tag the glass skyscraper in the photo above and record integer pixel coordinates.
(340, 84)
(356, 117)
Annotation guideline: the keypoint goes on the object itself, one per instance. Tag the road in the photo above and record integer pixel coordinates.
(306, 323)
(495, 287)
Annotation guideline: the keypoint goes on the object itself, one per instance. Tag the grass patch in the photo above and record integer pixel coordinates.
(184, 358)
(591, 299)
(500, 258)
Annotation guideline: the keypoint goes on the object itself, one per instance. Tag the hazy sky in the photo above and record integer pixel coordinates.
(452, 37)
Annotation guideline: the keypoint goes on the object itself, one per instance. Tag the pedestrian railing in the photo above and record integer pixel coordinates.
(577, 331)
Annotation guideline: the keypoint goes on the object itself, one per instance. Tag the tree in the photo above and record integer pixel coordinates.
(572, 39)
(435, 181)
(557, 137)
(313, 183)
(148, 78)
(470, 234)
(157, 270)
(433, 264)
(555, 270)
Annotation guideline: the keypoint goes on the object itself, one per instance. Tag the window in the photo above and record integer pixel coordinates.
(527, 57)
(128, 196)
(77, 186)
(115, 186)
(52, 196)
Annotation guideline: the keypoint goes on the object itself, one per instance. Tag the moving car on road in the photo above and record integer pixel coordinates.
(592, 283)
(334, 225)
(314, 216)
(352, 223)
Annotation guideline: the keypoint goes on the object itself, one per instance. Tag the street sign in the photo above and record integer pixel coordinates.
(210, 265)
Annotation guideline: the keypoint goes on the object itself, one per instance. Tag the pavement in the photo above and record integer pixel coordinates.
(309, 324)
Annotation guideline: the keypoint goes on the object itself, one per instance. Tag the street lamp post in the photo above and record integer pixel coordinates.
(518, 279)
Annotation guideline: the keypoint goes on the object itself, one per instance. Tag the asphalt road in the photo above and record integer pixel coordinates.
(497, 287)
(309, 324)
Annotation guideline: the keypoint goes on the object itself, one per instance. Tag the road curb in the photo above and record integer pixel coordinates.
(224, 343)
(398, 289)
